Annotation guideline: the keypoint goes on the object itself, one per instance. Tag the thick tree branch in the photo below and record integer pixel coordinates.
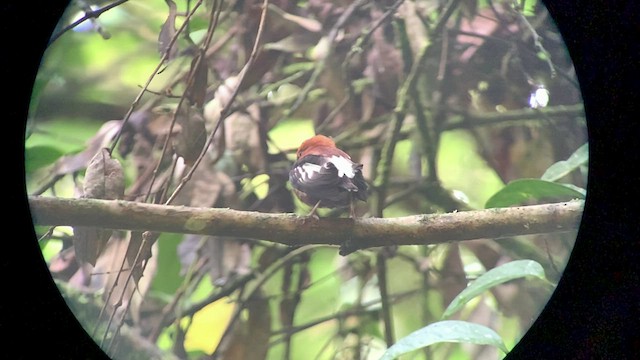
(290, 229)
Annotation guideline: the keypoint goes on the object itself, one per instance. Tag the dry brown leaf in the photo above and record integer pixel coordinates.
(384, 67)
(226, 257)
(167, 32)
(243, 139)
(104, 178)
(89, 243)
(105, 274)
(197, 92)
(191, 137)
(208, 187)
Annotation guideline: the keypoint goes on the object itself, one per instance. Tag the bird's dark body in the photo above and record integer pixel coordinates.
(318, 179)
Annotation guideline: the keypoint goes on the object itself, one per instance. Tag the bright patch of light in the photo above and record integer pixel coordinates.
(461, 196)
(539, 98)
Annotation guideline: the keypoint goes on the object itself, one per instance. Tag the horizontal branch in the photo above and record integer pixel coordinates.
(460, 119)
(294, 230)
(475, 119)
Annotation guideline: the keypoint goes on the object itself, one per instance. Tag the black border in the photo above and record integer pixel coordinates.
(34, 318)
(593, 314)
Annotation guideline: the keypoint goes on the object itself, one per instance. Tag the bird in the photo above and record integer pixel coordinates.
(323, 176)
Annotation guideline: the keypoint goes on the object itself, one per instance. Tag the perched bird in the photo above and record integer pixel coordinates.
(324, 176)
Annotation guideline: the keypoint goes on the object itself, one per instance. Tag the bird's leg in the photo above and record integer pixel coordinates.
(352, 207)
(346, 248)
(313, 211)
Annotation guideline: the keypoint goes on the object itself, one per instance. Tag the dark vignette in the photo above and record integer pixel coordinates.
(593, 313)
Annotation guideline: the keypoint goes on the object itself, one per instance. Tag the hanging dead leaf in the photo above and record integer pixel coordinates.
(208, 187)
(243, 139)
(104, 178)
(191, 136)
(225, 257)
(197, 92)
(167, 32)
(109, 275)
(384, 67)
(89, 243)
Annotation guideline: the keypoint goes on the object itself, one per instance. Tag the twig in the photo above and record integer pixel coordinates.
(363, 308)
(147, 238)
(537, 39)
(164, 58)
(170, 308)
(302, 96)
(272, 270)
(223, 292)
(472, 119)
(381, 267)
(190, 80)
(94, 14)
(226, 109)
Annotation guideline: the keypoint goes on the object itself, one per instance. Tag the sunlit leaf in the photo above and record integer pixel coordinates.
(558, 170)
(40, 156)
(208, 325)
(258, 185)
(521, 190)
(283, 94)
(445, 331)
(499, 275)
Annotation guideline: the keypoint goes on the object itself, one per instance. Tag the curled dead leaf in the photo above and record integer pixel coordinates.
(89, 243)
(104, 178)
(167, 32)
(191, 137)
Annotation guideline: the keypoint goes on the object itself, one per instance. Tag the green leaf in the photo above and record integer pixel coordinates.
(40, 156)
(561, 168)
(445, 331)
(521, 190)
(501, 274)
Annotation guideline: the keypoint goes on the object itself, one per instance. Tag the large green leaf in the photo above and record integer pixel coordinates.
(501, 274)
(445, 331)
(40, 156)
(563, 167)
(521, 190)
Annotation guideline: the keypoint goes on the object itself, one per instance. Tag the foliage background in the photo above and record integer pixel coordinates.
(484, 66)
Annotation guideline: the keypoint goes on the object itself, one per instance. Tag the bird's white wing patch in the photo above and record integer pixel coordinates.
(344, 166)
(309, 170)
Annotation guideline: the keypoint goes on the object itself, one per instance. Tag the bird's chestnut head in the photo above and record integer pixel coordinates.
(319, 145)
